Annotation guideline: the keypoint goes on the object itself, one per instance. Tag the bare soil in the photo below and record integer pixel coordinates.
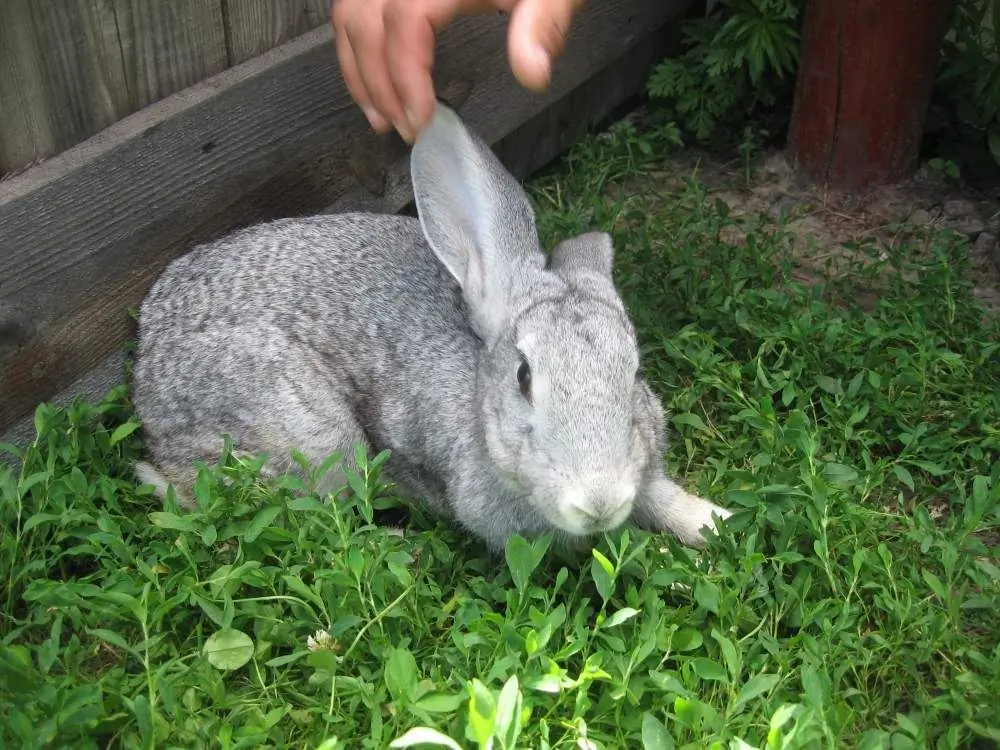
(828, 227)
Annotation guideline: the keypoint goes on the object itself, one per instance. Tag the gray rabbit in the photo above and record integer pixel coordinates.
(506, 389)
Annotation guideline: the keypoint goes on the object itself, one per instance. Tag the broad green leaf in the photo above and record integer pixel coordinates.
(754, 687)
(401, 674)
(482, 713)
(280, 661)
(687, 639)
(144, 718)
(356, 483)
(779, 718)
(263, 519)
(209, 535)
(519, 560)
(903, 475)
(830, 385)
(707, 669)
(173, 521)
(31, 480)
(935, 585)
(120, 599)
(706, 594)
(109, 636)
(989, 732)
(686, 710)
(654, 735)
(326, 466)
(668, 683)
(228, 649)
(400, 571)
(908, 725)
(306, 504)
(815, 684)
(425, 736)
(839, 474)
(214, 612)
(508, 717)
(39, 518)
(24, 728)
(123, 431)
(989, 569)
(932, 468)
(440, 703)
(691, 420)
(731, 655)
(546, 683)
(623, 614)
(603, 573)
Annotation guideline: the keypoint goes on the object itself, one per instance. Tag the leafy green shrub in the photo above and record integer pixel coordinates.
(739, 63)
(740, 58)
(967, 94)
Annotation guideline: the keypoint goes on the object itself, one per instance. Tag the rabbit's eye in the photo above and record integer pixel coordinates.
(524, 379)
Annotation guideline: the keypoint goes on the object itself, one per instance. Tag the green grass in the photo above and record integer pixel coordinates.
(851, 603)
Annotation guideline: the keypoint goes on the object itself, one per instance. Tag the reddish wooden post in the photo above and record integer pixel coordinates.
(863, 87)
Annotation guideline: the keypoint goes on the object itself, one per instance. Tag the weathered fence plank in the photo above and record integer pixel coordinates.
(83, 235)
(70, 69)
(255, 26)
(61, 76)
(167, 46)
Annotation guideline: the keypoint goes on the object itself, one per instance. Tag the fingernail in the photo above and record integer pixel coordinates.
(541, 58)
(532, 67)
(405, 131)
(412, 121)
(378, 123)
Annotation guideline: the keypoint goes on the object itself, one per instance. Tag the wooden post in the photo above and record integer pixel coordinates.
(863, 88)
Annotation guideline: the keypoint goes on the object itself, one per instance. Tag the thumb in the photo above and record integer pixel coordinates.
(538, 30)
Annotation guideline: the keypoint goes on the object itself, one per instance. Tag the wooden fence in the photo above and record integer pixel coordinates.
(85, 232)
(70, 68)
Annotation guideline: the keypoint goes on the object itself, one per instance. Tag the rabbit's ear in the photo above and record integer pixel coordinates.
(592, 251)
(476, 218)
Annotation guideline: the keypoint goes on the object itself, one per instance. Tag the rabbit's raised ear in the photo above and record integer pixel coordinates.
(476, 218)
(592, 251)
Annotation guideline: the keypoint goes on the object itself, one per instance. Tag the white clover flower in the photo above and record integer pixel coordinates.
(320, 641)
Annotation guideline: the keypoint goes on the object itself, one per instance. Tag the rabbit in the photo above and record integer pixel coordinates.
(505, 386)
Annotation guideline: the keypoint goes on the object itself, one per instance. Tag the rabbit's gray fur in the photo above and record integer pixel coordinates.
(319, 333)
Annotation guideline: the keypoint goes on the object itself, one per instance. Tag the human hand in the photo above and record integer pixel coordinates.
(386, 51)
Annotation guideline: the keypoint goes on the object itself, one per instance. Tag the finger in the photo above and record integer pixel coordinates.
(410, 40)
(366, 35)
(411, 27)
(538, 31)
(349, 71)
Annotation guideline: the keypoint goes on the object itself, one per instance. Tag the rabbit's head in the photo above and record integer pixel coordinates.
(557, 380)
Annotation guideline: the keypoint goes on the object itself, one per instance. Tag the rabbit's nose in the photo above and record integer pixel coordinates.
(599, 505)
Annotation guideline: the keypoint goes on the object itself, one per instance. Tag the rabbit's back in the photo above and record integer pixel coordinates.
(308, 333)
(299, 272)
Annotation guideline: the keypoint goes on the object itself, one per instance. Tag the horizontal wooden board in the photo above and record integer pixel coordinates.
(82, 236)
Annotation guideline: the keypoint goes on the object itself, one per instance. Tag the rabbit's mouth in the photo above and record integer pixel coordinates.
(592, 507)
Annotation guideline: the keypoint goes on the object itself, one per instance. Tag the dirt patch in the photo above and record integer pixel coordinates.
(830, 229)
